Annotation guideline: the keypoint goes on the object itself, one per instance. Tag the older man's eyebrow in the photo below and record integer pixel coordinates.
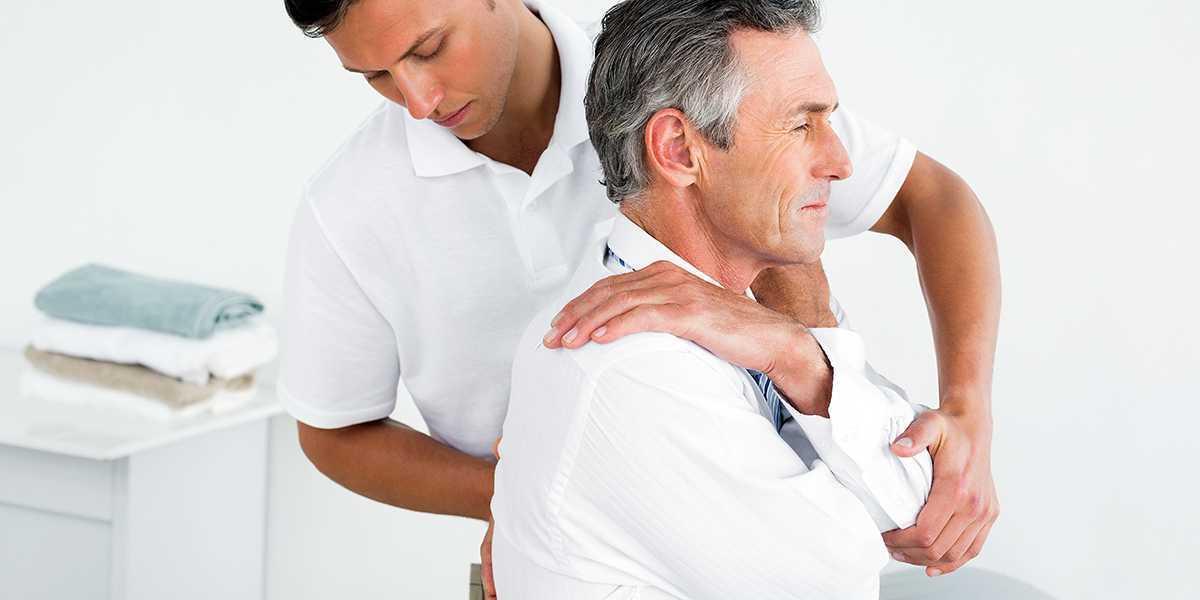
(421, 39)
(815, 107)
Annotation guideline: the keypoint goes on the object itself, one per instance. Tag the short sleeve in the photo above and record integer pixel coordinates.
(340, 364)
(881, 163)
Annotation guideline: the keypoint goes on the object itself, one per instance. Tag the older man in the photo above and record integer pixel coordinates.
(647, 467)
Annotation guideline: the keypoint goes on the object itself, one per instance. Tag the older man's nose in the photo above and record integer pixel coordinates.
(837, 163)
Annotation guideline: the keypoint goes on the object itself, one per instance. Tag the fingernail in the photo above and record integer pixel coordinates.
(898, 556)
(599, 332)
(935, 572)
(570, 337)
(905, 443)
(557, 318)
(549, 337)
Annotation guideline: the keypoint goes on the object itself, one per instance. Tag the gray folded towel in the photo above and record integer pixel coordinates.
(100, 295)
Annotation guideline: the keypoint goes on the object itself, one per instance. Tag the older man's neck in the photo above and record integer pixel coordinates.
(689, 234)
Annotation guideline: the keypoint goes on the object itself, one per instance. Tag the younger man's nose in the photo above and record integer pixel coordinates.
(421, 97)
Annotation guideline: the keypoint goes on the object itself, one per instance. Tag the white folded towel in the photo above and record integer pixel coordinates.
(228, 353)
(43, 386)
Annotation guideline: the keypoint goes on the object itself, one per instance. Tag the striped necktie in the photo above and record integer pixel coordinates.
(774, 400)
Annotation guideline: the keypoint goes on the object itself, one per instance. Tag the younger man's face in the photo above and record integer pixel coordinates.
(450, 61)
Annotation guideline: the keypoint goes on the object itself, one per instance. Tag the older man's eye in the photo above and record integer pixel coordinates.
(804, 127)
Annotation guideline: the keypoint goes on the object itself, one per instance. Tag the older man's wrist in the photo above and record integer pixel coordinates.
(803, 374)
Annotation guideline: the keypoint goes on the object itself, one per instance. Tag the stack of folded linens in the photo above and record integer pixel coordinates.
(161, 348)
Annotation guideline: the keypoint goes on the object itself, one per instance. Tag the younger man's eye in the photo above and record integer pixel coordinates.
(432, 54)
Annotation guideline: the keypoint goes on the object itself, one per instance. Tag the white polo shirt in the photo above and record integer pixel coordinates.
(415, 263)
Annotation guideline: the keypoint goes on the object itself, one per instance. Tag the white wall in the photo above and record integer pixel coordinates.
(173, 140)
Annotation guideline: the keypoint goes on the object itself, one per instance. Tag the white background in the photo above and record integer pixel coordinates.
(172, 138)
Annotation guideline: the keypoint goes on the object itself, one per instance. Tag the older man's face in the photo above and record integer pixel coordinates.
(767, 195)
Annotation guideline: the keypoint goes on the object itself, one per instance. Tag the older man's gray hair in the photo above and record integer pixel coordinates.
(657, 54)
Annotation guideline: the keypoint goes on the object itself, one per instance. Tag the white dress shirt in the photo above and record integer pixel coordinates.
(649, 468)
(415, 263)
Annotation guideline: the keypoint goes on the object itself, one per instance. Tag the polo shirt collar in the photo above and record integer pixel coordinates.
(639, 249)
(436, 152)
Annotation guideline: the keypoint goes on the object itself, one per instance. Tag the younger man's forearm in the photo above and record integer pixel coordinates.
(392, 463)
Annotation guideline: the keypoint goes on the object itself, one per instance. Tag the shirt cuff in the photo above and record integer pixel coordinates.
(855, 441)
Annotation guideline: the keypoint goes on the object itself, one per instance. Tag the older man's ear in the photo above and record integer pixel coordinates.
(672, 152)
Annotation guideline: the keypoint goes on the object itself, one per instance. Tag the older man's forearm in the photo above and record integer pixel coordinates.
(938, 216)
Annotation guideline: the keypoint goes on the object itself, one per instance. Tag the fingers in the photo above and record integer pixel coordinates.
(946, 538)
(594, 325)
(496, 448)
(623, 288)
(924, 432)
(489, 584)
(970, 543)
(958, 551)
(950, 566)
(485, 560)
(930, 522)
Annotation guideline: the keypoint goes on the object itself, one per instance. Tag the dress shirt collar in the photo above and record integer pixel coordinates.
(639, 250)
(435, 150)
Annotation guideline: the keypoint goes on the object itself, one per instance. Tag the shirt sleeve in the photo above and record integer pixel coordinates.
(339, 365)
(866, 414)
(681, 480)
(881, 162)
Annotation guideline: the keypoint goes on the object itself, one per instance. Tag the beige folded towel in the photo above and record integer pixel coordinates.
(133, 379)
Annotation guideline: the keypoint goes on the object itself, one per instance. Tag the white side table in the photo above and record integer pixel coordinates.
(96, 505)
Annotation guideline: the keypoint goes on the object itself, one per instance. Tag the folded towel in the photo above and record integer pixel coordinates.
(228, 354)
(134, 379)
(101, 295)
(37, 384)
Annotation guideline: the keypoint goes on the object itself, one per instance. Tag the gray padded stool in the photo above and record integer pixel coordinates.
(968, 584)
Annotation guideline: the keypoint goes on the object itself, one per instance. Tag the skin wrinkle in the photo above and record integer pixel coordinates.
(742, 208)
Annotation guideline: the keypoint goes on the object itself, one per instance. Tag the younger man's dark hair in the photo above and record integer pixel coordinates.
(317, 17)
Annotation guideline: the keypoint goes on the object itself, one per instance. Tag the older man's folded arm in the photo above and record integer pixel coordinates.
(681, 478)
(865, 417)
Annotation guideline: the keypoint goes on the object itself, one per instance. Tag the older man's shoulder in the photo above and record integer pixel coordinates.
(595, 359)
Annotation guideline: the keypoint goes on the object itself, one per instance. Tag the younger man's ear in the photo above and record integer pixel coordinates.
(671, 152)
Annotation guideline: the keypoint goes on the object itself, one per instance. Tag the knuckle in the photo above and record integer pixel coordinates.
(568, 312)
(931, 418)
(926, 539)
(689, 309)
(976, 507)
(962, 490)
(625, 297)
